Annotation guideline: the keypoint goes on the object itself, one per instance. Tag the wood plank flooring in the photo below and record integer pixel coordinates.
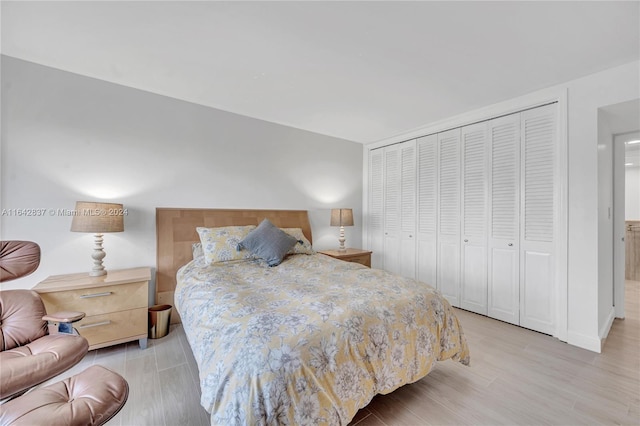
(516, 377)
(521, 377)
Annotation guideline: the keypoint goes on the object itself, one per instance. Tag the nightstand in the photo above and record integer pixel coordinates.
(362, 257)
(116, 304)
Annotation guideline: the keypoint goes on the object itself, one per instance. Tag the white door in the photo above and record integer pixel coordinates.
(448, 280)
(376, 207)
(392, 192)
(503, 211)
(537, 227)
(619, 228)
(407, 252)
(427, 209)
(473, 274)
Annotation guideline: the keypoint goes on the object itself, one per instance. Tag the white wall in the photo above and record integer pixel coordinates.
(586, 95)
(632, 193)
(67, 138)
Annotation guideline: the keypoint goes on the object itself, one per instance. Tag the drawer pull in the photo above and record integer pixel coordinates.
(96, 324)
(88, 296)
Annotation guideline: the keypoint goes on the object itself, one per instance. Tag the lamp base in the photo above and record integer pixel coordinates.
(97, 256)
(341, 240)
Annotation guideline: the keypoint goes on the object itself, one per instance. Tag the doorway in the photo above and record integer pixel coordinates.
(618, 129)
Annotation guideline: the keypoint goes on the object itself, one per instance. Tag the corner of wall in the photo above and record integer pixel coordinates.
(606, 327)
(590, 343)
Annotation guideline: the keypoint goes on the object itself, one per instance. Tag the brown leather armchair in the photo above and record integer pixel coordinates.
(30, 355)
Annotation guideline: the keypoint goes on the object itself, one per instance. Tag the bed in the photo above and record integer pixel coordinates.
(309, 341)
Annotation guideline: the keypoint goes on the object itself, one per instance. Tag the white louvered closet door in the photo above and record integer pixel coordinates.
(407, 252)
(427, 248)
(504, 226)
(473, 211)
(537, 230)
(448, 270)
(473, 276)
(392, 209)
(376, 206)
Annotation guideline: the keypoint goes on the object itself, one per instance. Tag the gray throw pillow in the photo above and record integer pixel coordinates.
(268, 242)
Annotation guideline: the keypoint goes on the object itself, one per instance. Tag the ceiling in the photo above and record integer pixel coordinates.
(361, 71)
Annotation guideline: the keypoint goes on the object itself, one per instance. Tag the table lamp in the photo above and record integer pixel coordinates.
(341, 218)
(98, 218)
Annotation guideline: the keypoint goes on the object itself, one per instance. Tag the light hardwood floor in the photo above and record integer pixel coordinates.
(516, 377)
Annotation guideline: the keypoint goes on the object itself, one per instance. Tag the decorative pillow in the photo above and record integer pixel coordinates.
(221, 244)
(268, 242)
(303, 246)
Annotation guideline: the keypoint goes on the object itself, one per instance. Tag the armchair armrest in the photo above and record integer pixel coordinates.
(67, 316)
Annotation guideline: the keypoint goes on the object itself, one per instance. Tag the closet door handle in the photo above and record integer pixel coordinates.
(510, 244)
(466, 241)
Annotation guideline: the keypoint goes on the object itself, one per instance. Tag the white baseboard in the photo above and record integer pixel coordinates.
(591, 343)
(604, 331)
(619, 311)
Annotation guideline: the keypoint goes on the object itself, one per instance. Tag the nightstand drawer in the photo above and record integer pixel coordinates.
(98, 300)
(363, 260)
(108, 329)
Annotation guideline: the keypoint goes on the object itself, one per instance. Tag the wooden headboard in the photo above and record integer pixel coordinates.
(176, 232)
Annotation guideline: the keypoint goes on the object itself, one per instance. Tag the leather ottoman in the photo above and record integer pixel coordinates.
(92, 397)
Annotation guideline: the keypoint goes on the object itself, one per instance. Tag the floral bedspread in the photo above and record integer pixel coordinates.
(310, 341)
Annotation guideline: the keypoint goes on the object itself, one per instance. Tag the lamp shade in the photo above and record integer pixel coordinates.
(341, 217)
(98, 217)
